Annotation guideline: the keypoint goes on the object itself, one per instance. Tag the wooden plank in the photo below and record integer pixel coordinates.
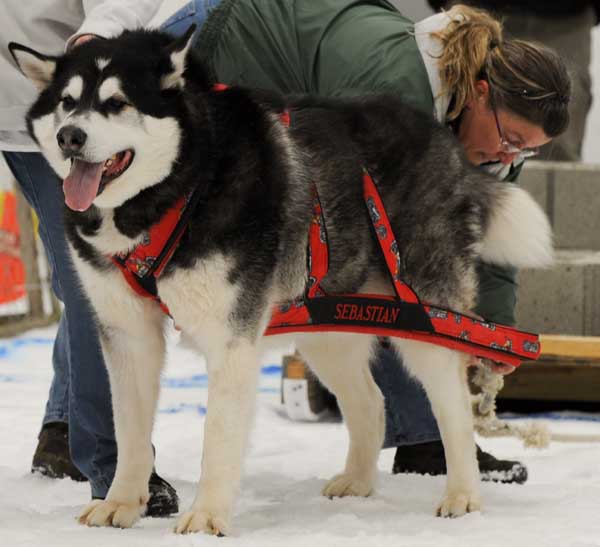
(568, 370)
(554, 380)
(573, 347)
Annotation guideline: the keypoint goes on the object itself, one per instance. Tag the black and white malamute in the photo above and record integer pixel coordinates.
(132, 124)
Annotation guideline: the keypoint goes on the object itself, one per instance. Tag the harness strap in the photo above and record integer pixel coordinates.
(145, 263)
(318, 250)
(386, 239)
(388, 316)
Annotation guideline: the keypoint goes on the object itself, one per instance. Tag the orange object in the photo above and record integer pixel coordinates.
(12, 269)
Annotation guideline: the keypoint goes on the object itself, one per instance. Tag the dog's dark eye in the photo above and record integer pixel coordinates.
(68, 102)
(114, 104)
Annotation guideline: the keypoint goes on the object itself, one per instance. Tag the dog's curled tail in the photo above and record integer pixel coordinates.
(518, 232)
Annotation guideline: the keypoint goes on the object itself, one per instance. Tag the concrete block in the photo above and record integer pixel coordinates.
(564, 299)
(570, 195)
(534, 178)
(576, 216)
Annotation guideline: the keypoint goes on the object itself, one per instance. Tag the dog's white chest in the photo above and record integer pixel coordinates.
(200, 295)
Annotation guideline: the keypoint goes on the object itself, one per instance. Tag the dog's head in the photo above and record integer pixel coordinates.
(109, 114)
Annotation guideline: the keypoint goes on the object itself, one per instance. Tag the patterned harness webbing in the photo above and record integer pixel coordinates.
(402, 315)
(144, 264)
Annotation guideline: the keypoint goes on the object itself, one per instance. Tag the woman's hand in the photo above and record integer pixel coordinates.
(82, 40)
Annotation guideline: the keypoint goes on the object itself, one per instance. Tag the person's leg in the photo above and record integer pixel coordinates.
(57, 407)
(80, 387)
(409, 418)
(52, 456)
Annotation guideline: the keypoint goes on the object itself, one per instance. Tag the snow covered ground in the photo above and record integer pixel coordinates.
(287, 465)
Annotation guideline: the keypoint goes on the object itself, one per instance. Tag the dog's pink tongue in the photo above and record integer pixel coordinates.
(81, 185)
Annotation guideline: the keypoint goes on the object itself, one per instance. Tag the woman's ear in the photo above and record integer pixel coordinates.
(482, 93)
(483, 89)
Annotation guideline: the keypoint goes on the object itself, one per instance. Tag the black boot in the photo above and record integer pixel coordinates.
(495, 470)
(163, 500)
(428, 459)
(52, 458)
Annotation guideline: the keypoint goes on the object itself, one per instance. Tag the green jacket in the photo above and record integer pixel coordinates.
(333, 48)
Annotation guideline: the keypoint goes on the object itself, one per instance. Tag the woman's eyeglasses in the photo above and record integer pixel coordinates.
(511, 148)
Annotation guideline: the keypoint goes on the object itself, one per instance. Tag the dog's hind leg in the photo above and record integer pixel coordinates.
(443, 373)
(134, 349)
(232, 379)
(341, 362)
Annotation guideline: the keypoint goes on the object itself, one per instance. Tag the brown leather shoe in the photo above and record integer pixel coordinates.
(52, 458)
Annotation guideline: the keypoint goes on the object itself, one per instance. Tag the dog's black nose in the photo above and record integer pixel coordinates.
(71, 138)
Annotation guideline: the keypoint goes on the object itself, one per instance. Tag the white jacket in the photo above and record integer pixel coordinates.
(47, 26)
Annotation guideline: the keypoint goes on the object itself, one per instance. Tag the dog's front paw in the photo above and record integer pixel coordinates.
(458, 503)
(112, 513)
(208, 522)
(347, 484)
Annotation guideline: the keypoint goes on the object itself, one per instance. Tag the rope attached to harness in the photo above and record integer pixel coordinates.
(488, 424)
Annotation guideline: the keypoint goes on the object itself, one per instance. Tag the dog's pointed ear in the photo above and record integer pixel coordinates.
(178, 51)
(37, 67)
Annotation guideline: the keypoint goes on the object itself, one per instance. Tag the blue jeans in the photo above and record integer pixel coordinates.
(195, 11)
(408, 415)
(80, 391)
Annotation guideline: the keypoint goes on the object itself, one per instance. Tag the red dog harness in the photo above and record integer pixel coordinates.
(402, 315)
(145, 263)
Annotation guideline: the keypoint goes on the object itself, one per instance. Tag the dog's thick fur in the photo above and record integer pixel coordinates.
(245, 249)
